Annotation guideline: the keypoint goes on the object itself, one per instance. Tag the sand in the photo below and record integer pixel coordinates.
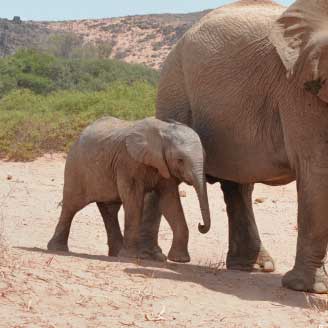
(85, 288)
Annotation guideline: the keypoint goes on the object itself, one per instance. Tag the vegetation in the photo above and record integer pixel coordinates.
(43, 73)
(70, 45)
(46, 100)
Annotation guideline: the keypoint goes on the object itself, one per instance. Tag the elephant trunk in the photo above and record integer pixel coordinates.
(199, 184)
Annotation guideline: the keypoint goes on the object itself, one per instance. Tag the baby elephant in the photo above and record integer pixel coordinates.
(115, 162)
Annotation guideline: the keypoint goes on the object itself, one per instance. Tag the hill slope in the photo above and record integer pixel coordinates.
(20, 35)
(137, 39)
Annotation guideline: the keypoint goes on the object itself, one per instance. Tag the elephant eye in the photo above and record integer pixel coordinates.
(180, 161)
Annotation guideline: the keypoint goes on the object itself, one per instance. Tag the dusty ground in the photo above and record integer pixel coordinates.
(87, 289)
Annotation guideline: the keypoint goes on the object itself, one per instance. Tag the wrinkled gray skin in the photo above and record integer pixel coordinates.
(116, 162)
(251, 79)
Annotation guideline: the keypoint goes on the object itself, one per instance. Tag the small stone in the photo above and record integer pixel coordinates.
(182, 193)
(9, 177)
(259, 200)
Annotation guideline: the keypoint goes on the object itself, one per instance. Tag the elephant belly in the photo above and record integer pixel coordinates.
(248, 166)
(101, 189)
(244, 147)
(251, 168)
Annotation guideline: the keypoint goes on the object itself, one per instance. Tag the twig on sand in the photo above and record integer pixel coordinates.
(3, 245)
(48, 262)
(155, 318)
(129, 324)
(317, 303)
(29, 305)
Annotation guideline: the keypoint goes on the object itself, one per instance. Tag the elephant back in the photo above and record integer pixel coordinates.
(245, 18)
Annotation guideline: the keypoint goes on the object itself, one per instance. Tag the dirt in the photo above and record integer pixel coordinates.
(85, 288)
(141, 39)
(135, 39)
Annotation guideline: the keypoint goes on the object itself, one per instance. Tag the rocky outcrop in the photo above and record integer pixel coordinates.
(135, 39)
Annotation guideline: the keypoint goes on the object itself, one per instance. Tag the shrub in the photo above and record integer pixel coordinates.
(7, 83)
(32, 124)
(38, 84)
(45, 101)
(43, 74)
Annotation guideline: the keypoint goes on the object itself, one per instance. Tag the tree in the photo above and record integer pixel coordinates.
(63, 45)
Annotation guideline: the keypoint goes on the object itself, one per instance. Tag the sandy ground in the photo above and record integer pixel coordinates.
(85, 288)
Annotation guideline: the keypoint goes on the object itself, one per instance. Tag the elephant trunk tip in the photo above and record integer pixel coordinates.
(202, 228)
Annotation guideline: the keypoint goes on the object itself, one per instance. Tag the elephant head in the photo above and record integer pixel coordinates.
(300, 36)
(174, 150)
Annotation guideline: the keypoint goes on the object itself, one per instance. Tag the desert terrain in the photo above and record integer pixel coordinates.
(141, 39)
(85, 288)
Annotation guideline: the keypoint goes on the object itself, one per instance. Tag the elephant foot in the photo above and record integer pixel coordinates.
(180, 256)
(261, 261)
(114, 249)
(153, 254)
(113, 252)
(128, 252)
(315, 282)
(56, 246)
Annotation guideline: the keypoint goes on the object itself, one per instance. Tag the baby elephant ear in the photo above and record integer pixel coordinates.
(145, 144)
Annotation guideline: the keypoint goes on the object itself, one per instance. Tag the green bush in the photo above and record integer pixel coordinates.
(45, 101)
(32, 124)
(38, 84)
(43, 73)
(7, 83)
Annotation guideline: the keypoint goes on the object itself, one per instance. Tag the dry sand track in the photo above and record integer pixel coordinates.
(87, 289)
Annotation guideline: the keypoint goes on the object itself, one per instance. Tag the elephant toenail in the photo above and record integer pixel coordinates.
(268, 266)
(256, 267)
(319, 288)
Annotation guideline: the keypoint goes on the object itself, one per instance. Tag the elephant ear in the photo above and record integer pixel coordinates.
(145, 144)
(300, 36)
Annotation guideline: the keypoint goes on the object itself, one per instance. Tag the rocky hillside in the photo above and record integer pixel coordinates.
(17, 34)
(137, 39)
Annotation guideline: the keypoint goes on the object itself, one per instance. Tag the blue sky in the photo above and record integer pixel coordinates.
(79, 9)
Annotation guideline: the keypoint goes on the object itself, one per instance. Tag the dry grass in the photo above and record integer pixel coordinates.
(5, 258)
(3, 244)
(317, 303)
(214, 267)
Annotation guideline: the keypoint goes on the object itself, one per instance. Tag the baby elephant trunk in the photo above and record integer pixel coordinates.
(201, 190)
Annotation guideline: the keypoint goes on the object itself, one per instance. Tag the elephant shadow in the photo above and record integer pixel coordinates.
(251, 286)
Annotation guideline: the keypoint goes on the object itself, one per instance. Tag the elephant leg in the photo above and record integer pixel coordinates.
(60, 238)
(172, 210)
(309, 273)
(246, 251)
(109, 213)
(133, 200)
(151, 220)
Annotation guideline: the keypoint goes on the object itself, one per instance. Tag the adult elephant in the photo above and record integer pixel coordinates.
(250, 78)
